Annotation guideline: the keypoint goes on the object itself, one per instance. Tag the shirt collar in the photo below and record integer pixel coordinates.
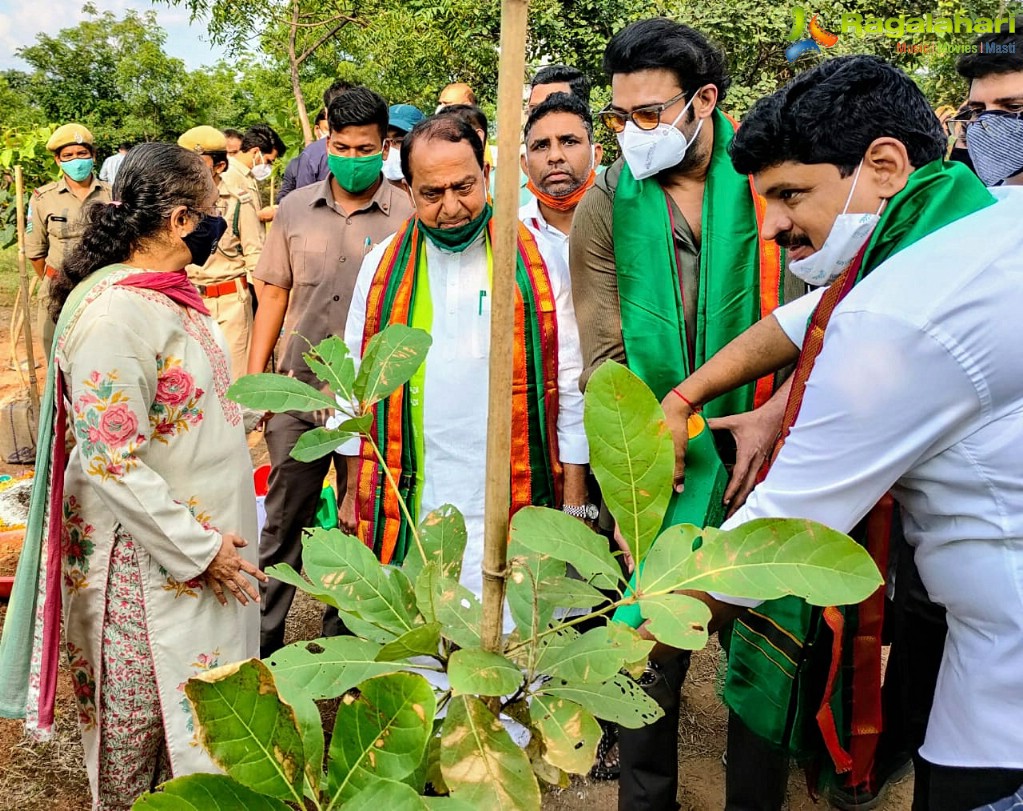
(381, 199)
(63, 187)
(237, 164)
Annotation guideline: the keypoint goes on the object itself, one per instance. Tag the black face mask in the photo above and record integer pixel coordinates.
(203, 240)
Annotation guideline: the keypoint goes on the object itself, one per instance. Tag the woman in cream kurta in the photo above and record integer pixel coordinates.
(159, 469)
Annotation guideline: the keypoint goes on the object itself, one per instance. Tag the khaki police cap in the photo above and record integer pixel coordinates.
(203, 139)
(67, 135)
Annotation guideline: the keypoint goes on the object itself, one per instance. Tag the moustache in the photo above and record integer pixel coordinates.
(789, 240)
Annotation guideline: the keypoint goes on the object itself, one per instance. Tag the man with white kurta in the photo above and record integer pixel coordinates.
(434, 273)
(561, 161)
(906, 382)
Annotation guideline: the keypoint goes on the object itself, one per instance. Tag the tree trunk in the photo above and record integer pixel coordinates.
(502, 319)
(296, 84)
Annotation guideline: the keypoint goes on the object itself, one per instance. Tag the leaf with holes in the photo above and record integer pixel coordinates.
(328, 667)
(677, 620)
(247, 728)
(590, 658)
(620, 700)
(206, 792)
(479, 672)
(381, 733)
(526, 570)
(444, 537)
(631, 452)
(458, 611)
(481, 764)
(391, 358)
(570, 734)
(278, 393)
(554, 533)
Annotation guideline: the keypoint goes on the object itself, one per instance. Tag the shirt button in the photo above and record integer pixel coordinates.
(348, 221)
(337, 298)
(344, 258)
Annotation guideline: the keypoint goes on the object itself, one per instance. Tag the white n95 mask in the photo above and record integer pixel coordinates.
(651, 151)
(392, 165)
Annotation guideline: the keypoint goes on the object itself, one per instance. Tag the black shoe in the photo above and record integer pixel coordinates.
(859, 799)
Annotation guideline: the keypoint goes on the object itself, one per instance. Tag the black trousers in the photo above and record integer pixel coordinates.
(956, 788)
(649, 755)
(291, 501)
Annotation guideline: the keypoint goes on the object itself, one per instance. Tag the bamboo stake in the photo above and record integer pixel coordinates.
(19, 203)
(502, 324)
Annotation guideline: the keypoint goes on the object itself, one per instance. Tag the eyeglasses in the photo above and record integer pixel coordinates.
(646, 118)
(957, 126)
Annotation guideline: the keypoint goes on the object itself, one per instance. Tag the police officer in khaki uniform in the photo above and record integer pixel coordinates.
(55, 211)
(223, 280)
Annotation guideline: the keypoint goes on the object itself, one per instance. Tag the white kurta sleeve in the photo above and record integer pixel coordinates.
(884, 396)
(794, 317)
(111, 376)
(572, 445)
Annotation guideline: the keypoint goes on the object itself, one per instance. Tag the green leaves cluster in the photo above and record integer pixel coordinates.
(421, 700)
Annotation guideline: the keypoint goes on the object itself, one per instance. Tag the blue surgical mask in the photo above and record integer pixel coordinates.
(78, 168)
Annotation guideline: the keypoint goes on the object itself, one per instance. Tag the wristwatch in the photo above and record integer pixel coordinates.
(587, 512)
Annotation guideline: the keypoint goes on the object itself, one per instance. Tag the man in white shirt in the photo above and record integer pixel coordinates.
(434, 273)
(561, 160)
(907, 383)
(108, 172)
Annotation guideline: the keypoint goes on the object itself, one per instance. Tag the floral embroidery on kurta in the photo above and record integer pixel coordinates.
(83, 680)
(202, 663)
(106, 428)
(189, 588)
(176, 407)
(76, 546)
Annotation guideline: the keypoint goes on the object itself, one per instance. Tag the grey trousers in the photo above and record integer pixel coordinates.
(291, 501)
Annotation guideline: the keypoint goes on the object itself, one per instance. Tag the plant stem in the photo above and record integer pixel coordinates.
(574, 621)
(401, 502)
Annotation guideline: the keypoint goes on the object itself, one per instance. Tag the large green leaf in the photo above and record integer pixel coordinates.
(765, 559)
(426, 590)
(480, 672)
(620, 700)
(458, 611)
(423, 640)
(331, 362)
(594, 657)
(631, 452)
(206, 792)
(677, 620)
(526, 598)
(448, 804)
(570, 734)
(318, 442)
(481, 764)
(286, 574)
(346, 567)
(249, 731)
(386, 795)
(568, 592)
(391, 358)
(443, 534)
(550, 648)
(278, 393)
(328, 667)
(554, 533)
(635, 648)
(381, 733)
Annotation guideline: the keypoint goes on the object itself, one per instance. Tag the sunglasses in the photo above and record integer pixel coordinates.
(646, 118)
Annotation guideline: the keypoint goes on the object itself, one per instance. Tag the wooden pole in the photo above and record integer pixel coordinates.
(19, 203)
(514, 15)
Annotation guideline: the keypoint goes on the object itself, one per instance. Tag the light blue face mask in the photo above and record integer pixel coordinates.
(78, 168)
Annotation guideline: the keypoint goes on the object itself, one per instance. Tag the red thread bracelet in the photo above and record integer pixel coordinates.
(694, 408)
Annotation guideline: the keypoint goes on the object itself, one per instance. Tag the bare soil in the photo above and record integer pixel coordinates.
(50, 776)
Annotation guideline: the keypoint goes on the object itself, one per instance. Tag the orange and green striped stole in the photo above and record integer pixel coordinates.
(806, 678)
(536, 473)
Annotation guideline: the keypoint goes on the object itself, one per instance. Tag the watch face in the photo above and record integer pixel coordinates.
(592, 513)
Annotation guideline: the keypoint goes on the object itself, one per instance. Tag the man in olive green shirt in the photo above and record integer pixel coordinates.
(55, 212)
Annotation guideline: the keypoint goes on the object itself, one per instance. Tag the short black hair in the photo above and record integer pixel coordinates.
(125, 145)
(320, 116)
(230, 133)
(832, 113)
(337, 87)
(658, 43)
(985, 63)
(469, 113)
(263, 137)
(560, 103)
(358, 107)
(440, 127)
(564, 74)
